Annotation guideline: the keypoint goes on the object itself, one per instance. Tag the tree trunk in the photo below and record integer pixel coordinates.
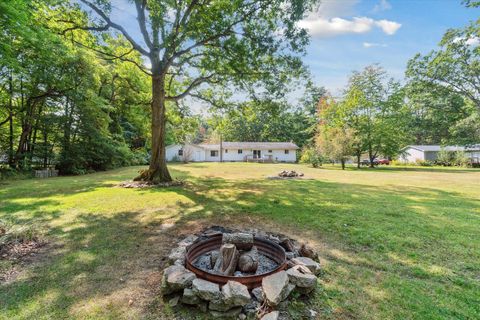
(358, 159)
(343, 164)
(10, 123)
(371, 157)
(157, 171)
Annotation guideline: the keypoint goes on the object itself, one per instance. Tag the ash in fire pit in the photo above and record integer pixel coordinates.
(239, 273)
(238, 256)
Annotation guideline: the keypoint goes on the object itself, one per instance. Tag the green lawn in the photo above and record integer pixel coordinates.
(395, 243)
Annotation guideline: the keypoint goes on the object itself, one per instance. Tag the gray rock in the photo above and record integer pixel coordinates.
(304, 291)
(176, 278)
(258, 294)
(188, 241)
(206, 290)
(290, 255)
(230, 314)
(203, 306)
(301, 276)
(283, 306)
(174, 301)
(251, 308)
(309, 263)
(242, 316)
(274, 315)
(189, 297)
(235, 293)
(219, 305)
(275, 288)
(177, 254)
(289, 290)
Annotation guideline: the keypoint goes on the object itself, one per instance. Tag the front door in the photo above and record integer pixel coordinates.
(257, 154)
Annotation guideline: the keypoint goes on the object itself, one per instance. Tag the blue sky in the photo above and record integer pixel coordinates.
(347, 35)
(357, 39)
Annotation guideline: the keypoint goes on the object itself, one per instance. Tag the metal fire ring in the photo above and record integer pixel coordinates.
(266, 247)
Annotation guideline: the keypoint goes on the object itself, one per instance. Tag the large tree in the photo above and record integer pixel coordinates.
(373, 106)
(240, 44)
(455, 66)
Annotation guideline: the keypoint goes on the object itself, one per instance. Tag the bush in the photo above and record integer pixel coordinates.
(311, 156)
(461, 159)
(444, 158)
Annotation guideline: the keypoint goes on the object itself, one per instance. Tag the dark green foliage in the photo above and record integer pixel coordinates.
(66, 107)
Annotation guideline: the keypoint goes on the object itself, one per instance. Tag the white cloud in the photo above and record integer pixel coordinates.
(474, 41)
(383, 5)
(336, 8)
(389, 27)
(373, 44)
(319, 26)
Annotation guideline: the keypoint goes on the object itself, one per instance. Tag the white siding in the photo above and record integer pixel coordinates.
(208, 156)
(280, 156)
(412, 155)
(193, 153)
(172, 151)
(233, 155)
(198, 154)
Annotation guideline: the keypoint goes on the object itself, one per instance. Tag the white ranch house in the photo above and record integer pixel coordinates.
(414, 153)
(234, 151)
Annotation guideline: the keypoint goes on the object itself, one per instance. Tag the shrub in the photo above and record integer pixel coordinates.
(444, 158)
(460, 159)
(311, 156)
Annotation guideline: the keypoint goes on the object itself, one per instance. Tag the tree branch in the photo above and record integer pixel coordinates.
(118, 27)
(142, 23)
(195, 83)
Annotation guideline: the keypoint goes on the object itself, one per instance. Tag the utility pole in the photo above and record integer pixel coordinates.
(221, 148)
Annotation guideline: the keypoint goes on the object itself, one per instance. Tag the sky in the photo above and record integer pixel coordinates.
(348, 35)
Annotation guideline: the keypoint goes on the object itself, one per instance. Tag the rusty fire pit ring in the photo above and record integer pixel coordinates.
(266, 247)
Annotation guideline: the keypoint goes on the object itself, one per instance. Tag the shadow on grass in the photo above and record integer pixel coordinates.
(407, 233)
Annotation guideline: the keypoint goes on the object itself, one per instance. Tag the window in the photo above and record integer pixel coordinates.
(180, 152)
(269, 151)
(286, 151)
(226, 150)
(213, 153)
(240, 151)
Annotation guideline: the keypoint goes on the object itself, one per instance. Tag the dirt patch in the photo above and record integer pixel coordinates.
(16, 256)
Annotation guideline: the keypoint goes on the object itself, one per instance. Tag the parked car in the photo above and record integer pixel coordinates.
(382, 161)
(365, 162)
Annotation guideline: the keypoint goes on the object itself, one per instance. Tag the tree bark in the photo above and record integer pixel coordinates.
(157, 171)
(10, 123)
(343, 164)
(227, 260)
(358, 159)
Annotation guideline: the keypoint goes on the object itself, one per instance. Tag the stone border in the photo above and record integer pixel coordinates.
(234, 300)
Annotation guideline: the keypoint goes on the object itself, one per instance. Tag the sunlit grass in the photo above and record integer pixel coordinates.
(396, 243)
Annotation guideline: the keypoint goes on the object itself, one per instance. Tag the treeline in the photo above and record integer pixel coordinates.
(67, 106)
(377, 116)
(61, 104)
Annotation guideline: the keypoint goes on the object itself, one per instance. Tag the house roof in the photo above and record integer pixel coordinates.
(447, 148)
(251, 145)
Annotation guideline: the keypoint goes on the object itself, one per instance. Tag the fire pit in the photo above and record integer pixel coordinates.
(271, 259)
(239, 273)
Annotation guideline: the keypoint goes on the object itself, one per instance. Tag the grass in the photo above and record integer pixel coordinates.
(395, 243)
